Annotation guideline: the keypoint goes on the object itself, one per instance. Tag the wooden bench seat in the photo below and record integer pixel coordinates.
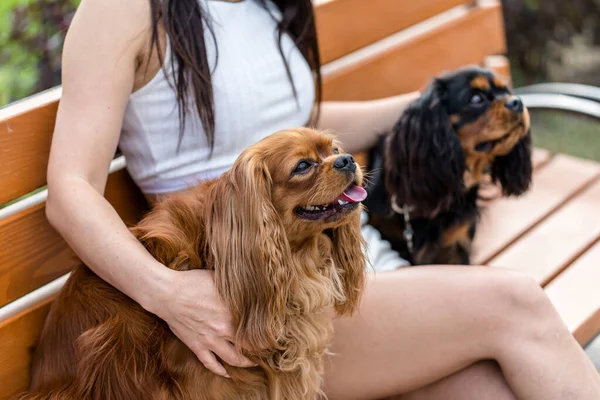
(407, 60)
(507, 219)
(552, 245)
(575, 294)
(370, 50)
(552, 233)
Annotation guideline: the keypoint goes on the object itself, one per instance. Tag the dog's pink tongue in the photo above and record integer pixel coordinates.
(354, 194)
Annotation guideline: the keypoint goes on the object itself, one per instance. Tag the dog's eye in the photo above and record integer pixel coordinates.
(476, 99)
(336, 150)
(302, 167)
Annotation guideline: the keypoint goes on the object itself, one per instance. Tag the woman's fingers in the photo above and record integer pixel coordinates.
(201, 350)
(228, 353)
(198, 317)
(208, 359)
(206, 349)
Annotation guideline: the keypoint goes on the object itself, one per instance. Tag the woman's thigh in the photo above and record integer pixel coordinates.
(415, 326)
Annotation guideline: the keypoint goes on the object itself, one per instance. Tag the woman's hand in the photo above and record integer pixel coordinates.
(192, 308)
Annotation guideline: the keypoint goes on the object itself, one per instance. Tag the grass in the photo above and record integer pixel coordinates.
(561, 132)
(22, 197)
(571, 134)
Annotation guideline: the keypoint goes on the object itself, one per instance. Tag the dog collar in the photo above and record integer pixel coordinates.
(378, 171)
(408, 232)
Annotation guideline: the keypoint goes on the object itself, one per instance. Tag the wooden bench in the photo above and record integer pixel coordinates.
(369, 50)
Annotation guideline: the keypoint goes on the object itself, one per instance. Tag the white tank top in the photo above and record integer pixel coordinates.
(252, 96)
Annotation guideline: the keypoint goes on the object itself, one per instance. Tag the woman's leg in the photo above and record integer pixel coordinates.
(481, 381)
(420, 324)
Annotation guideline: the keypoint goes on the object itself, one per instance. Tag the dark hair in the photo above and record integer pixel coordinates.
(184, 22)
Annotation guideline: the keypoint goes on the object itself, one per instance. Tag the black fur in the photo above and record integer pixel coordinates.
(513, 171)
(427, 171)
(427, 231)
(422, 163)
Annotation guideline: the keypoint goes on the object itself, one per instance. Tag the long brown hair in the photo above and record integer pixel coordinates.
(184, 21)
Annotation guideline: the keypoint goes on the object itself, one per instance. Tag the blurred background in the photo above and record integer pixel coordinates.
(548, 41)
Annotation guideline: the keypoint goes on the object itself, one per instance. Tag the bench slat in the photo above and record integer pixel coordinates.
(25, 134)
(344, 26)
(23, 270)
(403, 64)
(506, 219)
(19, 336)
(576, 297)
(557, 241)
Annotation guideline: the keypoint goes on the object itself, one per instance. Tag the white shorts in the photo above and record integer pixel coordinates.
(380, 255)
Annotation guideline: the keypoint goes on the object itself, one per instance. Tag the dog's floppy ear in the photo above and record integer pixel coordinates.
(251, 253)
(514, 170)
(426, 162)
(349, 258)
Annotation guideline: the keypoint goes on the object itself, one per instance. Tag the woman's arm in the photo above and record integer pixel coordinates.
(98, 74)
(358, 123)
(99, 63)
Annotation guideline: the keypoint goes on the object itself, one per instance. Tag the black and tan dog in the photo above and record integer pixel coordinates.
(426, 173)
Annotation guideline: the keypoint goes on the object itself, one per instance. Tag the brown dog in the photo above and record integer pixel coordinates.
(280, 230)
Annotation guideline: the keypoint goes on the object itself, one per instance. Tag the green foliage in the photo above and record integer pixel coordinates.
(562, 132)
(31, 38)
(536, 28)
(533, 5)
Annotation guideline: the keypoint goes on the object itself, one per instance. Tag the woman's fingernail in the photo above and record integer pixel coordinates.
(227, 376)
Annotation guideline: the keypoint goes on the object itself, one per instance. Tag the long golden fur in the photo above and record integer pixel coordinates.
(278, 273)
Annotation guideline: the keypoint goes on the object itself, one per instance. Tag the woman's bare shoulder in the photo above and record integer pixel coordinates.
(99, 63)
(124, 24)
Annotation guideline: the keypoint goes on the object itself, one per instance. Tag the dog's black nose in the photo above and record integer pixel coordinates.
(345, 163)
(514, 104)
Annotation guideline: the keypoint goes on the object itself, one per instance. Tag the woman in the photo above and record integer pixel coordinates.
(435, 332)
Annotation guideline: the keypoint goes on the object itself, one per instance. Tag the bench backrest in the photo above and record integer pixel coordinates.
(369, 49)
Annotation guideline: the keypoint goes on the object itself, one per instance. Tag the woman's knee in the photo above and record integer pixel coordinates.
(525, 311)
(521, 292)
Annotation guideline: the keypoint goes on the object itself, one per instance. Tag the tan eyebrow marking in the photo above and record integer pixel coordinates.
(499, 82)
(481, 83)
